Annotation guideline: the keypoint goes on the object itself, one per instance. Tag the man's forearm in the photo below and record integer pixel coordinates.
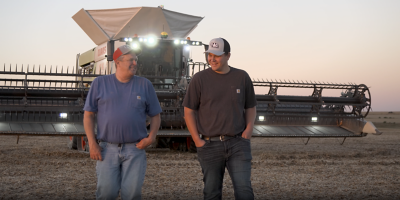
(88, 123)
(250, 115)
(190, 119)
(155, 122)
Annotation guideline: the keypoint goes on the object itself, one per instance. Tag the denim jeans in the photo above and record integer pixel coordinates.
(122, 168)
(235, 155)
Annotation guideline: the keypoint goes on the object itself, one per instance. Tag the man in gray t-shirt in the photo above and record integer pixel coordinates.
(220, 106)
(121, 102)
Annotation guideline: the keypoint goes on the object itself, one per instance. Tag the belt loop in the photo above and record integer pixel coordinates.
(120, 147)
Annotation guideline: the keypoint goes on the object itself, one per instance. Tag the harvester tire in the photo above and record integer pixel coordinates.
(82, 144)
(72, 144)
(182, 147)
(162, 142)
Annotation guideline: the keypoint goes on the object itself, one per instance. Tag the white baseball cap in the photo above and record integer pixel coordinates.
(122, 50)
(218, 46)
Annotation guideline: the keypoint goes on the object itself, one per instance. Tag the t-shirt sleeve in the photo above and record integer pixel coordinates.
(192, 97)
(152, 104)
(250, 99)
(91, 103)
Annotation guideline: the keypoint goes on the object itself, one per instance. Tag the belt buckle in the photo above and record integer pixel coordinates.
(221, 137)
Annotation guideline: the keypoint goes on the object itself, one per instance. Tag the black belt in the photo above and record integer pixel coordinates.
(221, 137)
(119, 144)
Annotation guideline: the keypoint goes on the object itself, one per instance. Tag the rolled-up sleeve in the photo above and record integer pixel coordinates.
(91, 103)
(193, 93)
(152, 104)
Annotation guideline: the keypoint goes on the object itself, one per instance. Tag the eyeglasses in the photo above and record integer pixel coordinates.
(132, 59)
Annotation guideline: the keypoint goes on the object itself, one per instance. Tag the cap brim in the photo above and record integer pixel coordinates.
(129, 52)
(218, 53)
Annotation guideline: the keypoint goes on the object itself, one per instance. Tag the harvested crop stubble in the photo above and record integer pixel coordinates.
(283, 168)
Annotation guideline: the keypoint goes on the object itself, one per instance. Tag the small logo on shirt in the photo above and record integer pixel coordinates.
(238, 91)
(138, 97)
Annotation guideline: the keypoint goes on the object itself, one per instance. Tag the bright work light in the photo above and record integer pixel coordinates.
(63, 115)
(151, 40)
(135, 45)
(314, 119)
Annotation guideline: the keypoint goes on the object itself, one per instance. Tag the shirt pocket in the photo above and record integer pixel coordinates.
(237, 94)
(138, 100)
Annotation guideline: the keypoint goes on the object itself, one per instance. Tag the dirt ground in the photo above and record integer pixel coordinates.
(361, 168)
(384, 118)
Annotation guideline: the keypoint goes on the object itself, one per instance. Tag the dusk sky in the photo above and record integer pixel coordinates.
(355, 41)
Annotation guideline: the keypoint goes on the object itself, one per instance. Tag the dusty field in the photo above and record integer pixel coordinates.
(385, 119)
(362, 168)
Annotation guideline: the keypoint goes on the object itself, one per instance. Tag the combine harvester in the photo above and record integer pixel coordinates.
(47, 101)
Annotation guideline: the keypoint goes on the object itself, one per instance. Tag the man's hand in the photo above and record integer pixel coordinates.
(88, 123)
(250, 115)
(95, 151)
(145, 142)
(200, 143)
(247, 134)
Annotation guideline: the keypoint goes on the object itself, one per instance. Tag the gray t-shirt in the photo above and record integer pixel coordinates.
(220, 101)
(122, 107)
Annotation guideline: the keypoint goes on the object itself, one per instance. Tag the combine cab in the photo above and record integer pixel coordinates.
(47, 101)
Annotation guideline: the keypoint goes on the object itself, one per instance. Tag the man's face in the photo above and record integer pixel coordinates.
(128, 64)
(218, 62)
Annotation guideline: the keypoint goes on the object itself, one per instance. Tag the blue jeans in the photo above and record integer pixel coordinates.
(122, 168)
(235, 155)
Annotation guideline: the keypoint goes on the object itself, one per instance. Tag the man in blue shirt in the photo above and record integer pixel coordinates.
(121, 102)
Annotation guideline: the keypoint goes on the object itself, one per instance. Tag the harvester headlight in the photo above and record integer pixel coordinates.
(135, 45)
(140, 39)
(63, 115)
(130, 39)
(126, 39)
(193, 43)
(261, 118)
(185, 42)
(314, 119)
(151, 40)
(197, 43)
(176, 41)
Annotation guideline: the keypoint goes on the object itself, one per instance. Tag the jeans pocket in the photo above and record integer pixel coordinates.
(103, 146)
(205, 144)
(244, 139)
